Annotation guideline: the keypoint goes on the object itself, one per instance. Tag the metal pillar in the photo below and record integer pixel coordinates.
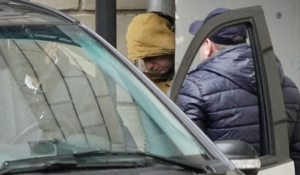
(106, 20)
(106, 28)
(167, 7)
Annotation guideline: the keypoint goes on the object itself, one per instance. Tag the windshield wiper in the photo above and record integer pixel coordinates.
(53, 164)
(48, 165)
(190, 166)
(65, 165)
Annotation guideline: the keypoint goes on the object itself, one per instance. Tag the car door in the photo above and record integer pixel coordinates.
(274, 143)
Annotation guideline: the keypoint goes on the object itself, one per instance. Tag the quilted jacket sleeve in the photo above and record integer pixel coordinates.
(295, 146)
(191, 103)
(292, 108)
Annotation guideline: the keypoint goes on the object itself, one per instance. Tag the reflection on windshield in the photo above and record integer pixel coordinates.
(71, 90)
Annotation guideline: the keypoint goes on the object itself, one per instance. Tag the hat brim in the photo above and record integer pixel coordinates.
(195, 26)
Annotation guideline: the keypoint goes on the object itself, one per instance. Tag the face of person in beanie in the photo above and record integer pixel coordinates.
(160, 65)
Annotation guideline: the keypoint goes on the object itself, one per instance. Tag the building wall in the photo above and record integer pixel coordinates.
(84, 11)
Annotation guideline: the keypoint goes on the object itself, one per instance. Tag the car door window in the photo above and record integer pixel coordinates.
(228, 75)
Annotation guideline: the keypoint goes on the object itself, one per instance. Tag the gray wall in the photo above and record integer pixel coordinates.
(284, 31)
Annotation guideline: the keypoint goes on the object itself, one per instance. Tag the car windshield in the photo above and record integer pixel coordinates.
(64, 93)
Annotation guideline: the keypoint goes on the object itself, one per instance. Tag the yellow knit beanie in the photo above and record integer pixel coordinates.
(149, 35)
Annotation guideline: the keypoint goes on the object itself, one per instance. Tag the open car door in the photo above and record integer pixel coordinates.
(274, 142)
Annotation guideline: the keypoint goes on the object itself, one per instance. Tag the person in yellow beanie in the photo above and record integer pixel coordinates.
(149, 37)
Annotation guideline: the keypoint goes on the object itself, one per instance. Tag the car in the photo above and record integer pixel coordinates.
(72, 104)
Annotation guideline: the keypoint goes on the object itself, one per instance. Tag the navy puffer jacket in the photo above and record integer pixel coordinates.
(220, 96)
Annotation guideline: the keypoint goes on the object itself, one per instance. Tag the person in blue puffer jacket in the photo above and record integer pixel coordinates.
(220, 95)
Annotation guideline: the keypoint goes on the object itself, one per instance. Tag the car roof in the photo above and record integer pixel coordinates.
(20, 11)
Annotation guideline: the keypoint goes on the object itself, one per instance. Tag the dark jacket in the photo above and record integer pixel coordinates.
(220, 96)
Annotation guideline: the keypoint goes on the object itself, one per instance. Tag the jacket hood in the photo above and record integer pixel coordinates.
(149, 35)
(236, 64)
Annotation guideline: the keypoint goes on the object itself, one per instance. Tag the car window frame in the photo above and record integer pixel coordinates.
(271, 104)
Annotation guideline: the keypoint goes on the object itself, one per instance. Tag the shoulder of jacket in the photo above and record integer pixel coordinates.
(288, 82)
(193, 70)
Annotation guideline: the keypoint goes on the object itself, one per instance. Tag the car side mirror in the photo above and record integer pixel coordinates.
(241, 154)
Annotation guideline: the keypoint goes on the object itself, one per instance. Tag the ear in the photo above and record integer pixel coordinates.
(209, 48)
